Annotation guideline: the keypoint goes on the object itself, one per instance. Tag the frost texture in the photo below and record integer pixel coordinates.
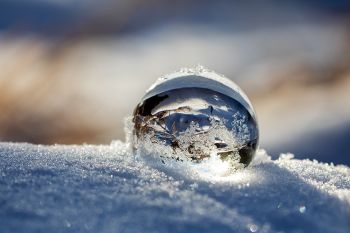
(106, 189)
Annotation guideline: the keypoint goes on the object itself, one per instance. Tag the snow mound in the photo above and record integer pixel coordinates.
(105, 189)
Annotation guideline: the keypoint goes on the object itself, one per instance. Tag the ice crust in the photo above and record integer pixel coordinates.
(107, 189)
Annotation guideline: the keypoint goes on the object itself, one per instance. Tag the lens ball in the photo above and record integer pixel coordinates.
(196, 114)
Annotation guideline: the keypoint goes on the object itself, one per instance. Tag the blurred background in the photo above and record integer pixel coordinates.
(71, 70)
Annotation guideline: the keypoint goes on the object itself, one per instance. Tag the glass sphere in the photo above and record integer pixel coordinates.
(195, 114)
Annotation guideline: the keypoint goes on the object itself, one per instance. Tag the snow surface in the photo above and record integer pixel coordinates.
(104, 189)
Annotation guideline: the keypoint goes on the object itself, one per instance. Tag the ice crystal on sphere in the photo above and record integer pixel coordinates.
(196, 115)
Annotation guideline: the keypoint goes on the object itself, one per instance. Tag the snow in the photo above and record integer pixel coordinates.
(104, 188)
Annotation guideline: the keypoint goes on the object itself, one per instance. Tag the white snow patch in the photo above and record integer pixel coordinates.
(104, 189)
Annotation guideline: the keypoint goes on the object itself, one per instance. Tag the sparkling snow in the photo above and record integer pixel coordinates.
(104, 189)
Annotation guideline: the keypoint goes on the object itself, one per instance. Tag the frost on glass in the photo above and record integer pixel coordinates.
(196, 115)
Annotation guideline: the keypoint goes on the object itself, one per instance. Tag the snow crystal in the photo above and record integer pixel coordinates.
(302, 209)
(107, 189)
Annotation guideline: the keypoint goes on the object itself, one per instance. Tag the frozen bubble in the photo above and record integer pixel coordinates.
(199, 116)
(302, 209)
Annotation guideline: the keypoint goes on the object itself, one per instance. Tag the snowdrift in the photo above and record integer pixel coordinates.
(104, 189)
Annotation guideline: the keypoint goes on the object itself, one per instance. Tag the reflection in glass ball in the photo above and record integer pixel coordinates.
(194, 115)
